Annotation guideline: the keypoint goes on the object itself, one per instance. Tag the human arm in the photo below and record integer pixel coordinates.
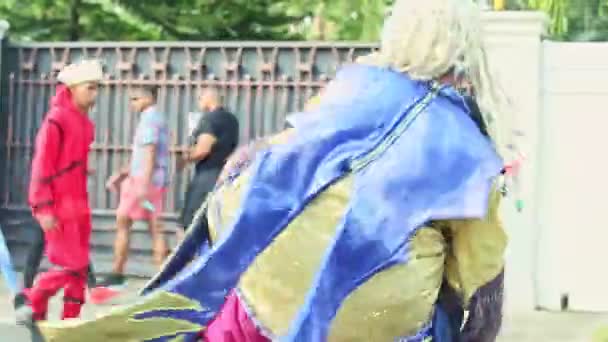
(206, 133)
(149, 160)
(91, 139)
(202, 148)
(117, 178)
(44, 168)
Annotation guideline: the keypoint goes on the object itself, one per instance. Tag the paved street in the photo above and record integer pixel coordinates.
(524, 327)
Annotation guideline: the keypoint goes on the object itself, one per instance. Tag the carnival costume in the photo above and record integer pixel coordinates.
(375, 218)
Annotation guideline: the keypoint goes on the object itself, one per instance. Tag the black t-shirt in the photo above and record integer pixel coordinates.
(224, 126)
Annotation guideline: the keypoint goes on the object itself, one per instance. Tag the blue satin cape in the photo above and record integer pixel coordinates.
(434, 166)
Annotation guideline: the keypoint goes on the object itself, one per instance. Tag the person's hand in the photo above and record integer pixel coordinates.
(47, 222)
(113, 182)
(182, 162)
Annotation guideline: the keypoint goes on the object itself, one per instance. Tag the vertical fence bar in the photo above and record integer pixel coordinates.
(271, 68)
(258, 84)
(9, 140)
(20, 94)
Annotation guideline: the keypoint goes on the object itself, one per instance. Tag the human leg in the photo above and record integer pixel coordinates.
(124, 221)
(32, 264)
(121, 243)
(34, 257)
(91, 280)
(159, 244)
(121, 251)
(74, 293)
(37, 297)
(197, 193)
(67, 247)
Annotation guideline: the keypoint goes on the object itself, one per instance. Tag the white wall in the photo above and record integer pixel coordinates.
(573, 186)
(559, 243)
(515, 54)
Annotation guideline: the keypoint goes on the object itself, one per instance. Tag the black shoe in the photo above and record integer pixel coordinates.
(19, 301)
(91, 280)
(113, 280)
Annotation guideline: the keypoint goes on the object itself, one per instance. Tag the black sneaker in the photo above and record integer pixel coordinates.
(91, 279)
(114, 281)
(19, 300)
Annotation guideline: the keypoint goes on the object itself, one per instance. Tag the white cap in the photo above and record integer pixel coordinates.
(81, 72)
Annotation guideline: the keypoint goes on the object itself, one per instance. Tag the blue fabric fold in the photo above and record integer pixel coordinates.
(441, 167)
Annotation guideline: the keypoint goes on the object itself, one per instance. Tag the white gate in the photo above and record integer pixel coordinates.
(558, 245)
(573, 178)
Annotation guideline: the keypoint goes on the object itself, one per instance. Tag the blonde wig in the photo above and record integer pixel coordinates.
(428, 39)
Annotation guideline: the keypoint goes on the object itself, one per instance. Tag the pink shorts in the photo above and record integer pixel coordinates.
(131, 207)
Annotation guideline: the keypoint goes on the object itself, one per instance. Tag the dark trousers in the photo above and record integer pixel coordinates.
(199, 188)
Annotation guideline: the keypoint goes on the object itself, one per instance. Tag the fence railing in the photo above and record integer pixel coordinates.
(261, 82)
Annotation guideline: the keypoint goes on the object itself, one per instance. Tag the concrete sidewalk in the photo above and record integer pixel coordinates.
(521, 327)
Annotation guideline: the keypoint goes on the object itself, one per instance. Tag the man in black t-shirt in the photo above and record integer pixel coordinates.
(214, 139)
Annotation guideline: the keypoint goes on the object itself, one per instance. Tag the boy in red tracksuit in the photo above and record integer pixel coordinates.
(58, 192)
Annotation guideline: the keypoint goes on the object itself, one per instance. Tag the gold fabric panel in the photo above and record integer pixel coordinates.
(397, 302)
(477, 250)
(275, 285)
(224, 205)
(225, 202)
(121, 325)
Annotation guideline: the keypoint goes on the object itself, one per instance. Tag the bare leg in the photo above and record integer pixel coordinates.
(159, 245)
(121, 244)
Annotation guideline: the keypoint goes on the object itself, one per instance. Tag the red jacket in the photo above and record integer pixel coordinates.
(58, 185)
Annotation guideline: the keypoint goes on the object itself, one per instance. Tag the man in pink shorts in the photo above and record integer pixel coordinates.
(142, 184)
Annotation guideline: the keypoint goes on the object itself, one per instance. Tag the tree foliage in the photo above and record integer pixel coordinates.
(194, 19)
(354, 20)
(147, 20)
(578, 20)
(357, 20)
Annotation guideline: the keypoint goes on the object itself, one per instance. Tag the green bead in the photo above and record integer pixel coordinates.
(519, 204)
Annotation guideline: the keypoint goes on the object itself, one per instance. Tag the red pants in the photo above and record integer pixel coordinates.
(67, 247)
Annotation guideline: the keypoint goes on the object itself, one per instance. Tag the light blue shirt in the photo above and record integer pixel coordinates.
(151, 129)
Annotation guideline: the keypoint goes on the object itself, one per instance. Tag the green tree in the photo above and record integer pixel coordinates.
(71, 20)
(355, 20)
(574, 19)
(214, 19)
(147, 20)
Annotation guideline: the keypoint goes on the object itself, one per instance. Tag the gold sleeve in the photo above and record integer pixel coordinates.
(476, 251)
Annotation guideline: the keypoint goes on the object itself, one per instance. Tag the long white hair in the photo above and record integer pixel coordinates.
(429, 38)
